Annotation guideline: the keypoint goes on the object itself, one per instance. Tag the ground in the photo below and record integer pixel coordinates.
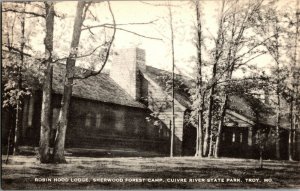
(25, 172)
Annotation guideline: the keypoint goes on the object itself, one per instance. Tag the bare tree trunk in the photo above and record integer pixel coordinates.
(217, 56)
(173, 93)
(220, 127)
(290, 151)
(59, 143)
(210, 152)
(17, 130)
(8, 145)
(199, 138)
(295, 92)
(261, 159)
(277, 133)
(19, 106)
(44, 149)
(278, 109)
(207, 135)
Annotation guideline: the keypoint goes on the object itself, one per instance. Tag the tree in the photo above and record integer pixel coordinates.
(261, 141)
(173, 93)
(44, 149)
(14, 92)
(238, 23)
(200, 90)
(295, 81)
(82, 8)
(58, 153)
(217, 54)
(71, 74)
(18, 78)
(235, 46)
(272, 22)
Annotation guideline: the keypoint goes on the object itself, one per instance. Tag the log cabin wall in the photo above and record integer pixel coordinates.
(100, 125)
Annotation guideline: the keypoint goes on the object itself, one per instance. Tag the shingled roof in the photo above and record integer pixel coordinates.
(257, 111)
(103, 88)
(99, 88)
(182, 97)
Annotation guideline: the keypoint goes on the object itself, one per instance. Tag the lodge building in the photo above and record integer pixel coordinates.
(128, 113)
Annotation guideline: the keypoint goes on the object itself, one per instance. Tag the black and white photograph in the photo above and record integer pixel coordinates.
(121, 95)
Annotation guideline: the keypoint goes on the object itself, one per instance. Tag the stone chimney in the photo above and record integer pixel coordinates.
(126, 70)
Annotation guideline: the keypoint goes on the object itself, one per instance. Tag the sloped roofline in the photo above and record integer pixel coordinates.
(156, 85)
(239, 116)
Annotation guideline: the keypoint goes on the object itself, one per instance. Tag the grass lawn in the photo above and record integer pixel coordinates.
(25, 172)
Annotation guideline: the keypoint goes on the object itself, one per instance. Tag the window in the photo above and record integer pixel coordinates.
(241, 137)
(233, 137)
(88, 120)
(98, 120)
(223, 136)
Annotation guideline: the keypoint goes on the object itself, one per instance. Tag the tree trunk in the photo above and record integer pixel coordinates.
(277, 133)
(173, 93)
(59, 143)
(295, 92)
(294, 134)
(199, 138)
(210, 152)
(220, 128)
(17, 130)
(260, 159)
(217, 56)
(278, 109)
(8, 146)
(19, 106)
(290, 151)
(291, 145)
(44, 150)
(207, 135)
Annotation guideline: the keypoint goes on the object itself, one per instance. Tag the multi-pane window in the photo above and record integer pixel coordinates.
(233, 137)
(241, 137)
(98, 120)
(88, 120)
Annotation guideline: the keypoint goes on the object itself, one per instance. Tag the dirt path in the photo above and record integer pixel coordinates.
(26, 172)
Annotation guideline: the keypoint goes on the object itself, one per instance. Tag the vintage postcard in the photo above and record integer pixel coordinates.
(195, 94)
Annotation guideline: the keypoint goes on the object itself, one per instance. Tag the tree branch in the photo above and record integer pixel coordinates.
(249, 60)
(125, 30)
(26, 12)
(81, 56)
(17, 50)
(241, 79)
(94, 73)
(257, 45)
(108, 25)
(120, 24)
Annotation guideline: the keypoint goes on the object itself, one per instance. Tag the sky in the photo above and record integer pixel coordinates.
(158, 52)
